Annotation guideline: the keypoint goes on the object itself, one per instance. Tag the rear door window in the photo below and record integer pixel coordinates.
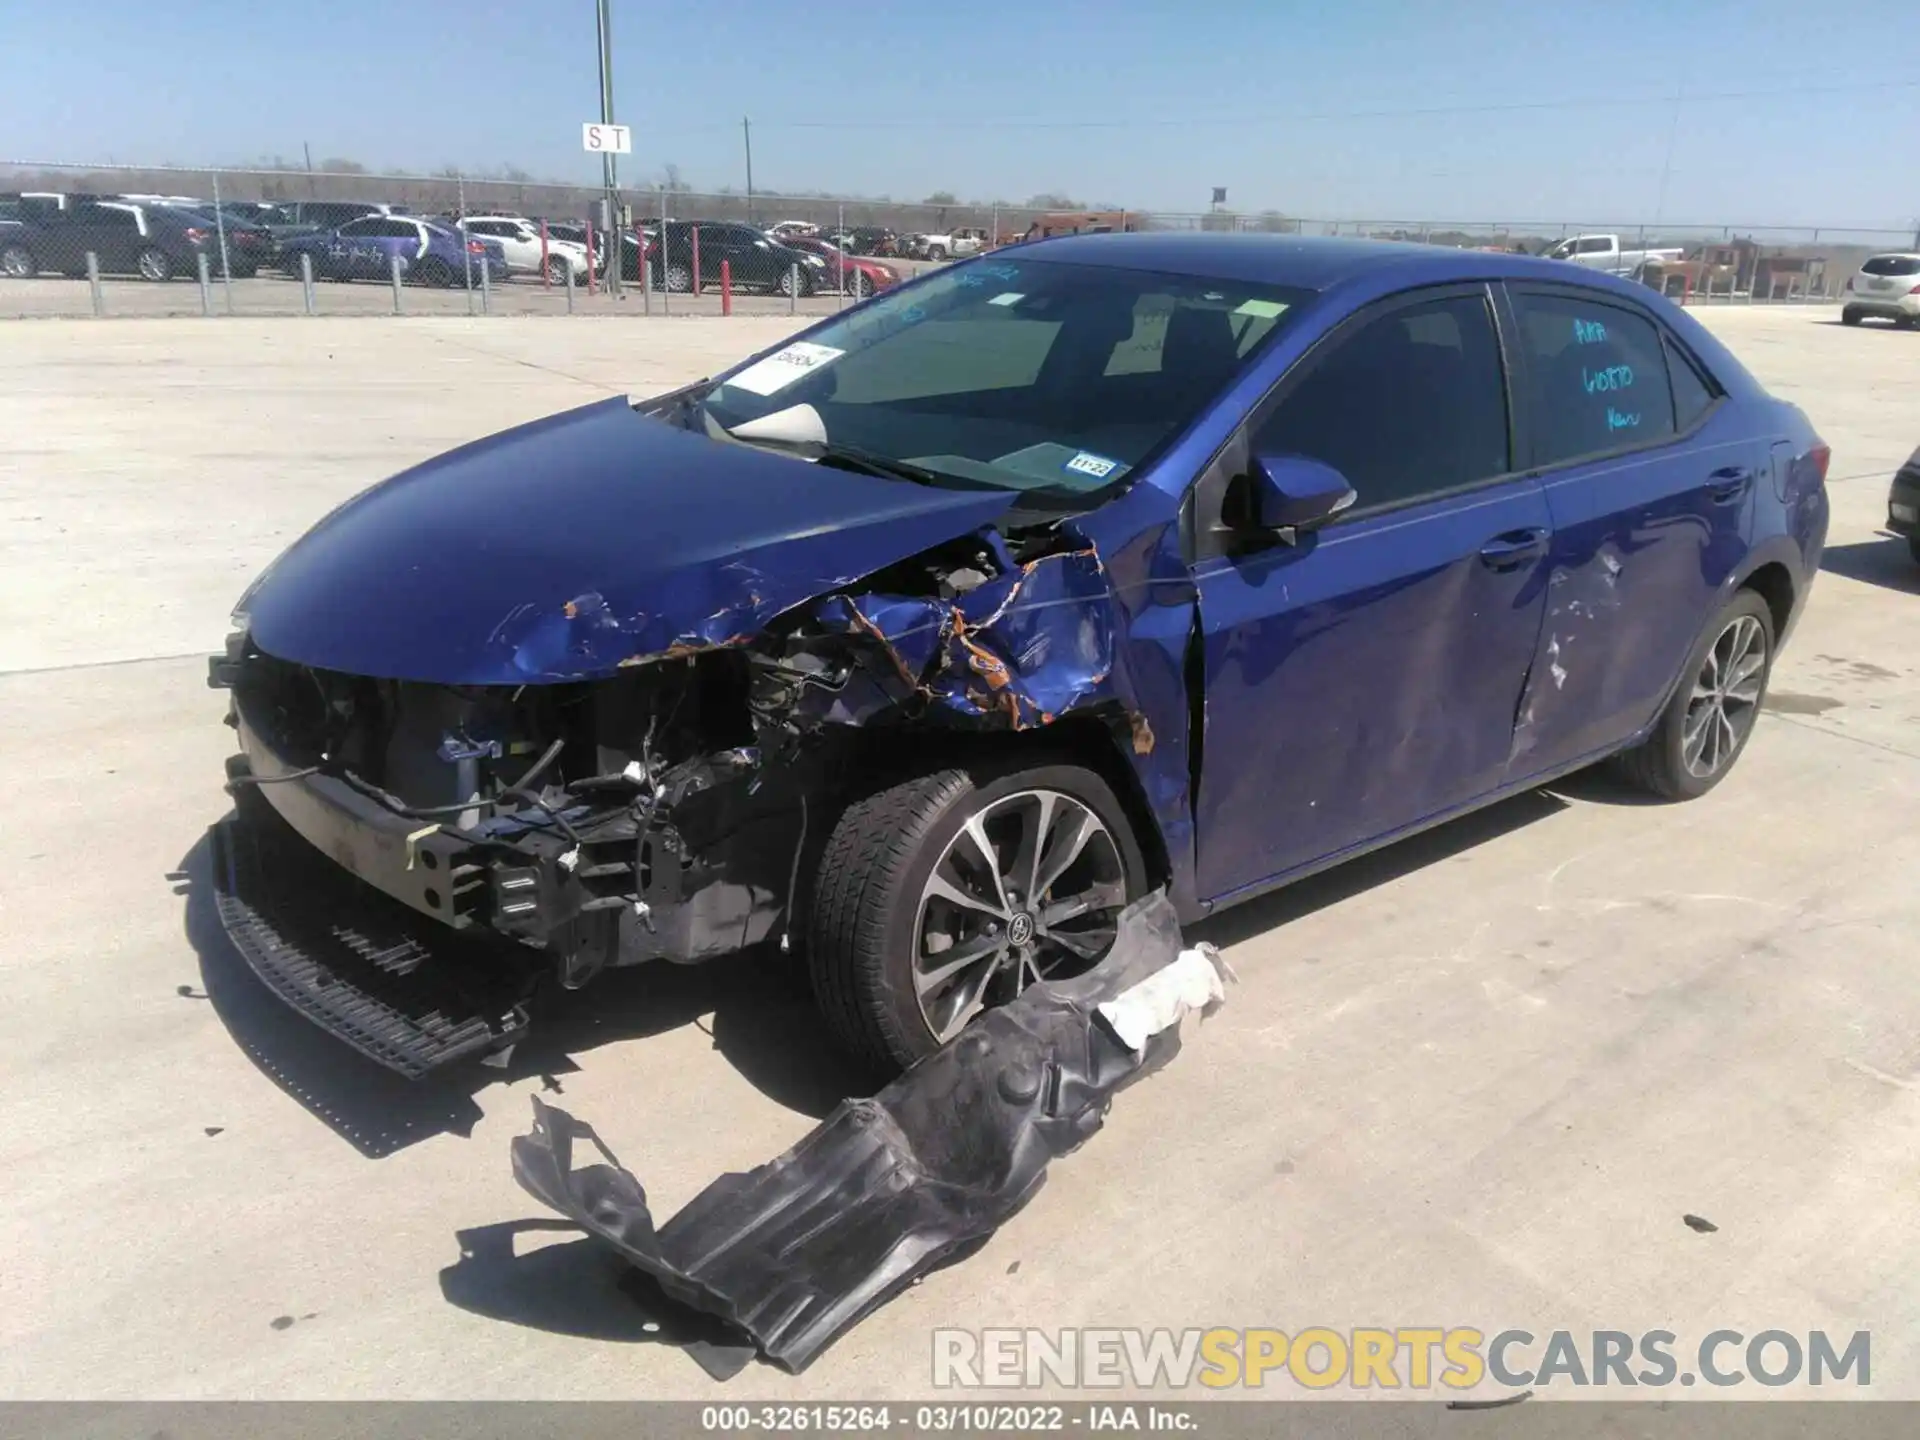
(1597, 377)
(1893, 265)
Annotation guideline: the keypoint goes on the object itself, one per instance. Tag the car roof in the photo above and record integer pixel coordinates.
(1306, 262)
(1895, 255)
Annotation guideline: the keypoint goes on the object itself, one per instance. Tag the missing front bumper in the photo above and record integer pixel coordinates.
(408, 994)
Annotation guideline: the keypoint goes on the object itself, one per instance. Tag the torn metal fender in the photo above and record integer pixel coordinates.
(797, 1251)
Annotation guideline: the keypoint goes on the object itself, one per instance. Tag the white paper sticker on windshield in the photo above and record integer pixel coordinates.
(1261, 309)
(1087, 463)
(1008, 298)
(783, 367)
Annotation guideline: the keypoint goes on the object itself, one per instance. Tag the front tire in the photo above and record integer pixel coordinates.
(921, 917)
(558, 268)
(17, 263)
(859, 286)
(1711, 716)
(1913, 548)
(1851, 315)
(154, 265)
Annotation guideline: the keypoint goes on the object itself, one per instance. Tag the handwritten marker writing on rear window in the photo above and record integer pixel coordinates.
(1588, 332)
(1087, 463)
(1614, 377)
(1617, 421)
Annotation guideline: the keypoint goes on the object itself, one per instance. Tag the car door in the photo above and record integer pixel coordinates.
(1364, 678)
(355, 250)
(1651, 490)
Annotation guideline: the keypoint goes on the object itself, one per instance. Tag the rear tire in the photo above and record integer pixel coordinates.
(1913, 548)
(1707, 723)
(1851, 315)
(17, 263)
(153, 264)
(874, 920)
(859, 286)
(679, 280)
(557, 270)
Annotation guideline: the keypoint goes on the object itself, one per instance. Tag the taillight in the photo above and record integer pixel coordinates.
(1915, 290)
(474, 247)
(196, 235)
(1818, 457)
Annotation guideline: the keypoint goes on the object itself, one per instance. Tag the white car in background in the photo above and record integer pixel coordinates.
(520, 239)
(1886, 287)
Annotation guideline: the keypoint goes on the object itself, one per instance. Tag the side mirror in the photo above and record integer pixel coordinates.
(1291, 493)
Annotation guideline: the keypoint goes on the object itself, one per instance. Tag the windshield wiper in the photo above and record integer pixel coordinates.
(848, 457)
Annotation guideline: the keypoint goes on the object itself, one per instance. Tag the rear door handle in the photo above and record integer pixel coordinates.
(1729, 484)
(1513, 549)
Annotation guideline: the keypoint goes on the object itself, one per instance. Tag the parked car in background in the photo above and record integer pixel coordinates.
(332, 214)
(576, 233)
(843, 651)
(792, 229)
(1606, 254)
(1903, 505)
(20, 241)
(1886, 287)
(365, 249)
(855, 275)
(867, 240)
(753, 259)
(155, 242)
(519, 239)
(947, 245)
(249, 245)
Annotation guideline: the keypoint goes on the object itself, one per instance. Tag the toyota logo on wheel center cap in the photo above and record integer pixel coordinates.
(1020, 929)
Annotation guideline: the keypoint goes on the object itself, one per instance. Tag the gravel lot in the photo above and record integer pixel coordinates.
(1473, 1080)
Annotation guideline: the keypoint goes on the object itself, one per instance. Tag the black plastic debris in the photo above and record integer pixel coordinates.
(795, 1252)
(1699, 1224)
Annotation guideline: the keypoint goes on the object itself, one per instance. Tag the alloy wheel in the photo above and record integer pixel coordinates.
(679, 279)
(1725, 698)
(153, 265)
(16, 262)
(1030, 889)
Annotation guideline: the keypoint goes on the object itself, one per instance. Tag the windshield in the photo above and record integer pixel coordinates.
(1052, 379)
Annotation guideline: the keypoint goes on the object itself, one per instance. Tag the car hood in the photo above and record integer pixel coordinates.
(593, 539)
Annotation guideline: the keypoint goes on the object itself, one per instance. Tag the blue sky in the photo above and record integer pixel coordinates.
(1489, 110)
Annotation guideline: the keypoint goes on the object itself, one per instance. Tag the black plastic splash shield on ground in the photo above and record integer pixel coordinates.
(884, 1190)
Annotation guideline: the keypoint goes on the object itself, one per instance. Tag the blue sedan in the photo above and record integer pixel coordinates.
(921, 644)
(366, 249)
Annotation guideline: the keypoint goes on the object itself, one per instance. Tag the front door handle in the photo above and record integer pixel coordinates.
(1729, 484)
(1513, 549)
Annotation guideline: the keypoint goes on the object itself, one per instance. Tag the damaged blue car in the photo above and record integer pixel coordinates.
(916, 647)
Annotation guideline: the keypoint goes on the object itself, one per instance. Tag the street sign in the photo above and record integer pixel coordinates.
(606, 139)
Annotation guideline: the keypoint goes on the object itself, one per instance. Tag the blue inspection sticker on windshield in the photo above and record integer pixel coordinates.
(1088, 463)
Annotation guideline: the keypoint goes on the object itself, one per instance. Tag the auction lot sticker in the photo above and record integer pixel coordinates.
(783, 367)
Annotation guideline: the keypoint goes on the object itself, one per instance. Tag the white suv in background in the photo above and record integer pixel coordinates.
(520, 239)
(1886, 287)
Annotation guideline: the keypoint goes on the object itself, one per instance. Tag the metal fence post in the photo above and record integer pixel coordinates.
(206, 286)
(666, 290)
(793, 290)
(306, 281)
(646, 270)
(486, 289)
(466, 237)
(93, 283)
(220, 230)
(393, 269)
(840, 222)
(569, 289)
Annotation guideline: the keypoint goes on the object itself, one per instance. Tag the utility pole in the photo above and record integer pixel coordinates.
(746, 133)
(610, 164)
(311, 192)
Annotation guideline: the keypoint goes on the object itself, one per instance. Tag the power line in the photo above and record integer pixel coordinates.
(1304, 117)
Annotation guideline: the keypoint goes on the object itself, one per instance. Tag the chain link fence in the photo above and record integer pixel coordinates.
(127, 241)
